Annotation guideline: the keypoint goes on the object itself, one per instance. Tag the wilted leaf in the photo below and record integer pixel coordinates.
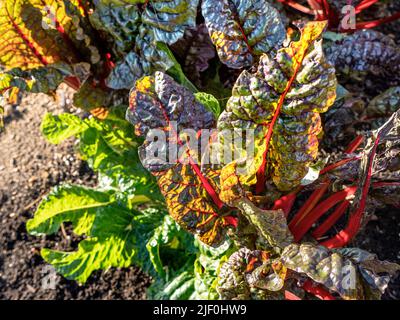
(342, 271)
(328, 268)
(243, 29)
(169, 18)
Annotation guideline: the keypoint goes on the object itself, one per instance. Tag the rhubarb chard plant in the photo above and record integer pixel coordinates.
(204, 121)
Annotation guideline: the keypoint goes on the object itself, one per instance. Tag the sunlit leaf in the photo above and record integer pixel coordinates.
(191, 195)
(281, 102)
(243, 29)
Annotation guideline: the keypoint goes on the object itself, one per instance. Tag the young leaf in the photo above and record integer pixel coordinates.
(178, 286)
(281, 101)
(243, 29)
(59, 128)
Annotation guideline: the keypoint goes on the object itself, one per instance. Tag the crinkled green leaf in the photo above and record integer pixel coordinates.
(179, 285)
(366, 53)
(1, 116)
(90, 97)
(196, 279)
(377, 274)
(191, 195)
(281, 102)
(169, 18)
(112, 151)
(119, 20)
(68, 203)
(209, 101)
(59, 128)
(271, 224)
(243, 29)
(206, 267)
(25, 43)
(168, 245)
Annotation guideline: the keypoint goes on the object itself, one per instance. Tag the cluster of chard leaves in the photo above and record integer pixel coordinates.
(227, 231)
